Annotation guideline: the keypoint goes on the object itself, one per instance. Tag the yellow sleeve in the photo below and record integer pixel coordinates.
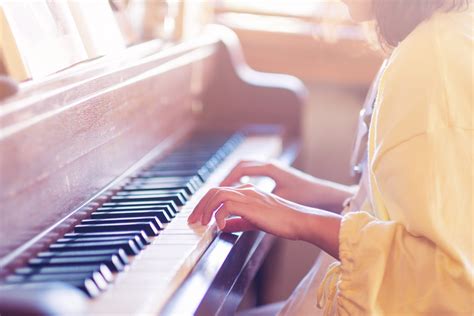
(421, 259)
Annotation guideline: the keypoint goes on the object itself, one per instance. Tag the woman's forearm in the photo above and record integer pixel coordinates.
(320, 228)
(327, 195)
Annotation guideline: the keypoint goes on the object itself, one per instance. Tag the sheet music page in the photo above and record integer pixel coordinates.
(39, 38)
(97, 26)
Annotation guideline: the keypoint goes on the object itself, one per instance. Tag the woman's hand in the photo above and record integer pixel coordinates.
(255, 210)
(246, 208)
(289, 181)
(293, 185)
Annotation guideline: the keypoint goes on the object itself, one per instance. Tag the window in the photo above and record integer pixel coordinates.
(305, 9)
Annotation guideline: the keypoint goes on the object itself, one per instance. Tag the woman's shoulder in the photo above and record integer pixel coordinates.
(444, 31)
(431, 72)
(458, 23)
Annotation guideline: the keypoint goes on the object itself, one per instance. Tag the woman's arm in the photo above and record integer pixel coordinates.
(321, 228)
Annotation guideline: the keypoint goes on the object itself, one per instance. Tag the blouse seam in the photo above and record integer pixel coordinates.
(441, 68)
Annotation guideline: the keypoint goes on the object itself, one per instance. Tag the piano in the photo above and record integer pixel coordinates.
(101, 164)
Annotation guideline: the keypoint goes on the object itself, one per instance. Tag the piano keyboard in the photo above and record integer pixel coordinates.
(136, 248)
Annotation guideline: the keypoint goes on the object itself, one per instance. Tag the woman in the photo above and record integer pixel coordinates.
(409, 249)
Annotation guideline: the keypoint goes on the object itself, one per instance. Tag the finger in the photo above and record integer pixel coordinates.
(196, 214)
(247, 169)
(205, 210)
(245, 186)
(238, 224)
(225, 210)
(223, 195)
(222, 214)
(250, 190)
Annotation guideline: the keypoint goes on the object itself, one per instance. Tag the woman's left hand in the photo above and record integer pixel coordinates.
(254, 210)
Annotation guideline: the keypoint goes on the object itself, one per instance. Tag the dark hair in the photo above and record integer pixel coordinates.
(398, 18)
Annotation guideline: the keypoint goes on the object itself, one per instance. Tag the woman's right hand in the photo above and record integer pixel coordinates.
(292, 184)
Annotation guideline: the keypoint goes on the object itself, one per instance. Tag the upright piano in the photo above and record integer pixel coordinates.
(101, 164)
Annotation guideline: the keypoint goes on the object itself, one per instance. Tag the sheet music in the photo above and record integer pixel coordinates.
(97, 26)
(39, 38)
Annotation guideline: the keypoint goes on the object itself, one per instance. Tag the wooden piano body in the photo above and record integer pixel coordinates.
(66, 140)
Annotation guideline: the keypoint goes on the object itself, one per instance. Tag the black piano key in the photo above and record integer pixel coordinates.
(120, 253)
(174, 164)
(201, 167)
(171, 163)
(160, 214)
(201, 173)
(135, 239)
(113, 262)
(220, 154)
(128, 246)
(101, 268)
(193, 179)
(193, 185)
(176, 198)
(185, 196)
(180, 196)
(96, 277)
(163, 181)
(169, 204)
(190, 155)
(196, 150)
(150, 219)
(80, 253)
(139, 233)
(87, 286)
(168, 211)
(161, 187)
(205, 142)
(158, 205)
(148, 228)
(211, 164)
(172, 173)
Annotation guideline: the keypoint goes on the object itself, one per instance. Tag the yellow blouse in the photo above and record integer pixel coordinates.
(414, 253)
